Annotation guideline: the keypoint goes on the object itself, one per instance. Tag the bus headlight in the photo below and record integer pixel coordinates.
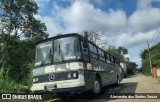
(69, 75)
(74, 75)
(34, 79)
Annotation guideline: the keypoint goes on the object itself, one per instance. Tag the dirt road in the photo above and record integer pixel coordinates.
(134, 84)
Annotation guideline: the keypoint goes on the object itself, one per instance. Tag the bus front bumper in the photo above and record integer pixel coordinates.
(61, 86)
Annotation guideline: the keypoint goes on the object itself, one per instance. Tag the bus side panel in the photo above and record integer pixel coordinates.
(100, 68)
(104, 73)
(107, 72)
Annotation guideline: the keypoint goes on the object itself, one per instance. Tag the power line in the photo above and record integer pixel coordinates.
(155, 34)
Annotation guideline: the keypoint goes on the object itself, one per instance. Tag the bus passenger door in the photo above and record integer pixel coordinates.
(86, 64)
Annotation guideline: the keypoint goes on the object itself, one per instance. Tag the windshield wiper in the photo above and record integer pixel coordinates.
(50, 55)
(61, 53)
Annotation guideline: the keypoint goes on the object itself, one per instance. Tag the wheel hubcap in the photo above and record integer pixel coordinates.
(96, 87)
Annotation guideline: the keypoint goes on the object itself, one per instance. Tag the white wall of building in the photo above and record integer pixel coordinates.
(158, 72)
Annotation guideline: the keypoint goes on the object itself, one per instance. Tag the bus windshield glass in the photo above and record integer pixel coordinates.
(66, 49)
(43, 53)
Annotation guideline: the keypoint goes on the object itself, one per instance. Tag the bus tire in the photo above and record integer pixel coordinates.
(97, 87)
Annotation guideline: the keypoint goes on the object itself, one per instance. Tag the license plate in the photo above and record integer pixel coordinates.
(50, 87)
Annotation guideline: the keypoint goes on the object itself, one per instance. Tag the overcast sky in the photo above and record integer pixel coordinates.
(128, 23)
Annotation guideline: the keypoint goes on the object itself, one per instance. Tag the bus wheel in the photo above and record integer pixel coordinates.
(96, 87)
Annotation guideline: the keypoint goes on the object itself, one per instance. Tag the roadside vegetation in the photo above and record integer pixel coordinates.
(155, 58)
(19, 32)
(7, 84)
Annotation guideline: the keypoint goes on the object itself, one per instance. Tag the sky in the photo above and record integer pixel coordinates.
(128, 23)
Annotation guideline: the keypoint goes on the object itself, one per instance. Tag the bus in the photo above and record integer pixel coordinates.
(71, 63)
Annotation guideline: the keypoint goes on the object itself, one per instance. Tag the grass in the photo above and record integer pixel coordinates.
(7, 84)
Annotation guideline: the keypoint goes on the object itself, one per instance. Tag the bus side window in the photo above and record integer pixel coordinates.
(84, 52)
(117, 62)
(111, 59)
(101, 55)
(107, 58)
(93, 50)
(114, 62)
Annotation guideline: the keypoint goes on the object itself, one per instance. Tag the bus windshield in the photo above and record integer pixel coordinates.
(43, 53)
(66, 49)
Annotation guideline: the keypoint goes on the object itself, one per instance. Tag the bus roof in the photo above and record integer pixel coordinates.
(59, 36)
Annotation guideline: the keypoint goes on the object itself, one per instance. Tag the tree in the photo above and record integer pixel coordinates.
(122, 50)
(19, 31)
(131, 67)
(92, 35)
(115, 52)
(155, 58)
(118, 52)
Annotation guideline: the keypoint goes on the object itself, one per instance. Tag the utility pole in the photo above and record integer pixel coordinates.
(149, 57)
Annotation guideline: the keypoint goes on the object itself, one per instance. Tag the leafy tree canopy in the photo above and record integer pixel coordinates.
(117, 52)
(19, 31)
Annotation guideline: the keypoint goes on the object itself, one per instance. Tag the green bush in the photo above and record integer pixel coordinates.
(155, 58)
(27, 81)
(7, 84)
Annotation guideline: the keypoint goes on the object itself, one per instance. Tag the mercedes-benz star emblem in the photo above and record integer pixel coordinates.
(51, 77)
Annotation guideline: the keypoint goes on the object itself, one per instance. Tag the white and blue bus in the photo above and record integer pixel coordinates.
(71, 63)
